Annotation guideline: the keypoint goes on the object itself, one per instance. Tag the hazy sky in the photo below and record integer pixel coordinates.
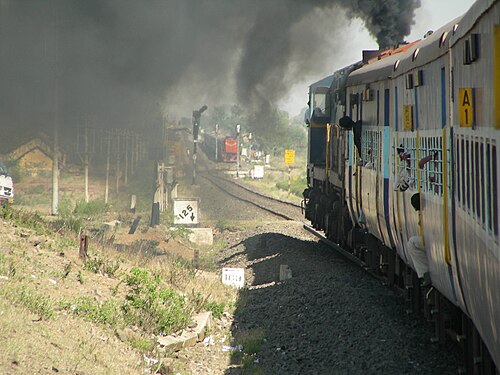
(431, 15)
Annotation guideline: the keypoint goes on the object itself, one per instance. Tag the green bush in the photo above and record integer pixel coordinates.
(217, 309)
(74, 224)
(65, 208)
(297, 186)
(108, 312)
(101, 266)
(36, 303)
(92, 208)
(25, 219)
(151, 307)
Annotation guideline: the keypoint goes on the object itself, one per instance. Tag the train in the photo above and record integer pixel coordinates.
(6, 186)
(403, 174)
(220, 148)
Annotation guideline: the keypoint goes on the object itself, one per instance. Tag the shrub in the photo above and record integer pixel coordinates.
(217, 309)
(74, 224)
(151, 307)
(101, 266)
(36, 303)
(297, 186)
(108, 312)
(92, 208)
(26, 219)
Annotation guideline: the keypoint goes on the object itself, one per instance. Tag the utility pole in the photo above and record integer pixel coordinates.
(55, 170)
(125, 140)
(196, 128)
(216, 141)
(55, 151)
(86, 164)
(85, 150)
(108, 155)
(238, 129)
(117, 150)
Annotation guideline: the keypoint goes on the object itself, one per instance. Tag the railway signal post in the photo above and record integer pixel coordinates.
(289, 160)
(238, 129)
(196, 128)
(216, 141)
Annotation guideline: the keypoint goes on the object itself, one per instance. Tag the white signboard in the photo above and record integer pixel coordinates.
(233, 277)
(186, 211)
(258, 171)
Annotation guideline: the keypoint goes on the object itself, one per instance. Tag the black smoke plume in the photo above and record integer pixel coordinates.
(120, 63)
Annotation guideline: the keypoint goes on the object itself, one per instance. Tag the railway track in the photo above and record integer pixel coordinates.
(326, 294)
(284, 210)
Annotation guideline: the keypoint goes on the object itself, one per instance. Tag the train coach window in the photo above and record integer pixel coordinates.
(458, 164)
(370, 149)
(491, 189)
(406, 164)
(477, 173)
(468, 175)
(476, 180)
(431, 165)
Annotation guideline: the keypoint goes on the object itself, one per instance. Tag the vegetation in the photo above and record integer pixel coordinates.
(139, 290)
(101, 265)
(273, 130)
(297, 186)
(37, 303)
(251, 342)
(155, 308)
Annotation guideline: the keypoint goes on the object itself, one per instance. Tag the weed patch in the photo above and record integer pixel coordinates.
(108, 312)
(25, 219)
(34, 302)
(143, 344)
(251, 341)
(73, 224)
(90, 209)
(7, 266)
(297, 186)
(101, 266)
(216, 308)
(155, 309)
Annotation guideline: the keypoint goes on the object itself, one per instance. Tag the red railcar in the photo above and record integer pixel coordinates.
(220, 148)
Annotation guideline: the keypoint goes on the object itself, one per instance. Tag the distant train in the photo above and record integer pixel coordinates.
(404, 173)
(220, 148)
(6, 186)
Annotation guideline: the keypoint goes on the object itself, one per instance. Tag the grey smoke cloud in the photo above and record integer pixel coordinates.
(118, 63)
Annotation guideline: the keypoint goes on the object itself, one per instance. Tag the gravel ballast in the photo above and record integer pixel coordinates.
(330, 317)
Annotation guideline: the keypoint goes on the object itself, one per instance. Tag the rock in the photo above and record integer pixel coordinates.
(201, 236)
(188, 338)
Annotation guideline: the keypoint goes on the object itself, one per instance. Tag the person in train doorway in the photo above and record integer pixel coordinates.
(416, 249)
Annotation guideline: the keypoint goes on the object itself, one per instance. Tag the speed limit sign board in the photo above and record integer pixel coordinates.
(186, 211)
(289, 157)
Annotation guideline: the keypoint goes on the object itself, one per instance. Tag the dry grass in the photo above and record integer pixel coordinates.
(65, 344)
(43, 281)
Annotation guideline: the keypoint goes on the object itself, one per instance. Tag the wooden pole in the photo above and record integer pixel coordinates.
(55, 171)
(106, 193)
(86, 163)
(289, 178)
(83, 247)
(125, 139)
(117, 139)
(55, 154)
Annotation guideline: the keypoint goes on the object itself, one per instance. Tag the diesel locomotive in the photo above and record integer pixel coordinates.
(220, 148)
(403, 172)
